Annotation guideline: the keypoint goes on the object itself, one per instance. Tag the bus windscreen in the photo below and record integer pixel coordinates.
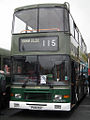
(41, 70)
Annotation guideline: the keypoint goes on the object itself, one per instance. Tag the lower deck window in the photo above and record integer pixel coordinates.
(41, 70)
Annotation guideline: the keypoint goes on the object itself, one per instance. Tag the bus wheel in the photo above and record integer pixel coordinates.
(77, 98)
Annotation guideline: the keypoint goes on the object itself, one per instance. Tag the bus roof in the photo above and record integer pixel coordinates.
(65, 5)
(4, 52)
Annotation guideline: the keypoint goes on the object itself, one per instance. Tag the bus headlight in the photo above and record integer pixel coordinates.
(58, 97)
(18, 95)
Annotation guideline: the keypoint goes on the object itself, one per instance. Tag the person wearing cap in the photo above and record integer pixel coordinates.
(2, 88)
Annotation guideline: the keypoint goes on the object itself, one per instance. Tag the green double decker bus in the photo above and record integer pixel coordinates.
(48, 57)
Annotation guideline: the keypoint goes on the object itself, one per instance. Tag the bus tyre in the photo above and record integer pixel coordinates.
(77, 98)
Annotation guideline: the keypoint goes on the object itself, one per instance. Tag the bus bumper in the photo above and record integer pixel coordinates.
(40, 106)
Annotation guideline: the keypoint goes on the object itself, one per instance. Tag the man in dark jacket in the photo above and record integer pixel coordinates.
(89, 83)
(2, 88)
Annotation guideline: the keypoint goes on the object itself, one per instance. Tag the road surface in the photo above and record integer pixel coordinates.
(80, 112)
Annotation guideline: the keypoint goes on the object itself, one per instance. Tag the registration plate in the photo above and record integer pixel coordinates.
(35, 107)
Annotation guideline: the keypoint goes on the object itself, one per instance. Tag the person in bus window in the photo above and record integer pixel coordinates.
(7, 69)
(19, 70)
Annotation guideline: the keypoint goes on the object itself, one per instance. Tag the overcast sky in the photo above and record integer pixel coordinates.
(80, 10)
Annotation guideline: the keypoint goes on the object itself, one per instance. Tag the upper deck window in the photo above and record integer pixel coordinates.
(25, 21)
(40, 20)
(51, 19)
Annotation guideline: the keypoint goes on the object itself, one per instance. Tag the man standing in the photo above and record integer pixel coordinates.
(89, 83)
(89, 71)
(2, 88)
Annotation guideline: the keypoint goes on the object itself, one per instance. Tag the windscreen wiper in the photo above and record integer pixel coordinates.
(24, 84)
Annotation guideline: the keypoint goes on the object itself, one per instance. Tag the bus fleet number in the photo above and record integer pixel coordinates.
(49, 43)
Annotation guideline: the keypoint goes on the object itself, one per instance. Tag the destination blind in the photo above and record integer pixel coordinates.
(38, 44)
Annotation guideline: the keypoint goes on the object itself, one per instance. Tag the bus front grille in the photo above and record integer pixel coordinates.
(37, 96)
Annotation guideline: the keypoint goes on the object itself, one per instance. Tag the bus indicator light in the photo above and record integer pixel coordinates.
(11, 94)
(66, 96)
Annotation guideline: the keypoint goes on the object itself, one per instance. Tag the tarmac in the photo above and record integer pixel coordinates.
(80, 112)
